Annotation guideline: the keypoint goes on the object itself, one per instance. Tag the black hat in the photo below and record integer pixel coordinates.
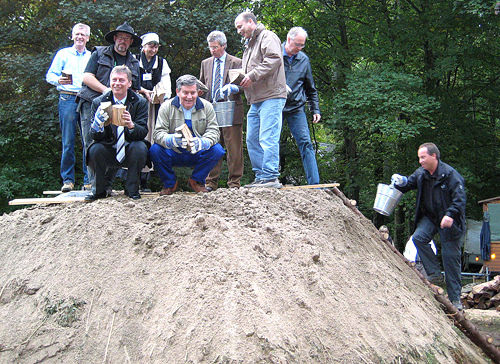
(124, 28)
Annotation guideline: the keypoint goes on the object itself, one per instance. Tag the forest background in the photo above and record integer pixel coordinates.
(391, 75)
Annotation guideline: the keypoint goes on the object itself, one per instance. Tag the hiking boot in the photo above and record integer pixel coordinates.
(67, 187)
(270, 183)
(255, 183)
(133, 196)
(87, 187)
(169, 190)
(458, 305)
(196, 186)
(436, 278)
(209, 189)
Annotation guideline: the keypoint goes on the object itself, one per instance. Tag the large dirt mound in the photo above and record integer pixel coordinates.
(234, 276)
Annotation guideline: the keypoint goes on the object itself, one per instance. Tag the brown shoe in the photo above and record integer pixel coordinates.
(169, 191)
(196, 186)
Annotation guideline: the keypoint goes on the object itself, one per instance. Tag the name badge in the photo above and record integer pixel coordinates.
(147, 77)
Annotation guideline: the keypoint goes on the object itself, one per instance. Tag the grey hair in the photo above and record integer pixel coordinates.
(81, 26)
(296, 31)
(186, 80)
(217, 36)
(122, 69)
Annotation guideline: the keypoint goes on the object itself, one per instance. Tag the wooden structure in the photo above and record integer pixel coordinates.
(493, 204)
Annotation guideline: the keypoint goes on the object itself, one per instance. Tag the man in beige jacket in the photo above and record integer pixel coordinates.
(265, 90)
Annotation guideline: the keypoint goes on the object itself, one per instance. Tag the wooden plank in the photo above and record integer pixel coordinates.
(326, 185)
(52, 192)
(34, 201)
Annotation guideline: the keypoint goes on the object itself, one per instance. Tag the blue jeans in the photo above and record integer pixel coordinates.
(69, 122)
(264, 121)
(297, 122)
(450, 252)
(203, 162)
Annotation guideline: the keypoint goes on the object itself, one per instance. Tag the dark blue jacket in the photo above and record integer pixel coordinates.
(299, 78)
(448, 194)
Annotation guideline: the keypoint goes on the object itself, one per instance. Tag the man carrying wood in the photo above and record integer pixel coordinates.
(178, 119)
(120, 143)
(440, 208)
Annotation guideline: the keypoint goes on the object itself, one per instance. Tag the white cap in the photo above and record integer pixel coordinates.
(150, 37)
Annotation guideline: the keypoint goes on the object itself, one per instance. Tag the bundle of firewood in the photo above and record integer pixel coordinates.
(483, 296)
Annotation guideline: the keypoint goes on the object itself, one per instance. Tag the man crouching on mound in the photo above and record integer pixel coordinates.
(178, 119)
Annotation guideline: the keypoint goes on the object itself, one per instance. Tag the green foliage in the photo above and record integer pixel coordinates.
(65, 311)
(391, 75)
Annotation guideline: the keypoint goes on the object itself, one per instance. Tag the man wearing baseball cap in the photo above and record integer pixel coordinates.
(98, 70)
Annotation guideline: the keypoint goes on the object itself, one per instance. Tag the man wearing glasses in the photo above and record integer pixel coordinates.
(214, 74)
(300, 80)
(97, 73)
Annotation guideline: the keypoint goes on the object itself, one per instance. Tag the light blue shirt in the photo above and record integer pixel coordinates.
(68, 59)
(222, 63)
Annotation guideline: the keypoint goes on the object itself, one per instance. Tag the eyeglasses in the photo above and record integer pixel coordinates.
(123, 37)
(299, 45)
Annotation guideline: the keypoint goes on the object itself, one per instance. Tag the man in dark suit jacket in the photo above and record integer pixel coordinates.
(118, 146)
(231, 136)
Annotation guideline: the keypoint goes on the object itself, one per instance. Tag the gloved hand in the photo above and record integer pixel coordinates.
(198, 144)
(100, 118)
(175, 140)
(399, 180)
(229, 89)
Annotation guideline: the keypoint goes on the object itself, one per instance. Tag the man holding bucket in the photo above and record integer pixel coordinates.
(440, 208)
(214, 74)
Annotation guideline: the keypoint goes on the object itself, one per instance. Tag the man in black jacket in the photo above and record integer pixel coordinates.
(116, 146)
(440, 208)
(97, 72)
(300, 80)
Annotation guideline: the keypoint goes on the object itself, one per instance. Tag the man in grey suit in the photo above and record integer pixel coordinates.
(214, 74)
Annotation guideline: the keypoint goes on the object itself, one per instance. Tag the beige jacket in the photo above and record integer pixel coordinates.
(203, 120)
(263, 64)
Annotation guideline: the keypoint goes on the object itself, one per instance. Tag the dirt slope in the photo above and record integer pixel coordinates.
(234, 276)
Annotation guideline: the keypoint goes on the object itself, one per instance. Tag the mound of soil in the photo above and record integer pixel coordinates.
(233, 276)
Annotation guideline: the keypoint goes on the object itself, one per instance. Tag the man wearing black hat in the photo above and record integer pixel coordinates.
(98, 70)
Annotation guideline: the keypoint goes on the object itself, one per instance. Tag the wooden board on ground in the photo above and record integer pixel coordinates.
(72, 196)
(325, 185)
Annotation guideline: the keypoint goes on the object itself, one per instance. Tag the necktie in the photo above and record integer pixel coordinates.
(120, 144)
(217, 82)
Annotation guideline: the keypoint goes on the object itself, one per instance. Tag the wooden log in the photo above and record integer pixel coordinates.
(186, 133)
(493, 285)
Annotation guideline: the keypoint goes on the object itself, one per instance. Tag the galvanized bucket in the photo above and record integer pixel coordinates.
(224, 111)
(386, 200)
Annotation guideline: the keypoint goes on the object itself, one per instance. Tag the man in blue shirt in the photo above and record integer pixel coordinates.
(72, 62)
(300, 80)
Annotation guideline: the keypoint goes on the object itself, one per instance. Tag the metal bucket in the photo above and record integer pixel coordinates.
(224, 112)
(386, 200)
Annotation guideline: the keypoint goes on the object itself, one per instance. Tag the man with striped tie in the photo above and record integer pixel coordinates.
(118, 146)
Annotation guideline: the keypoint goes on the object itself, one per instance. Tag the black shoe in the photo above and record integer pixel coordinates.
(133, 196)
(95, 196)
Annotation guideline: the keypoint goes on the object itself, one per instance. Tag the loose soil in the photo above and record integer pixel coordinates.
(233, 276)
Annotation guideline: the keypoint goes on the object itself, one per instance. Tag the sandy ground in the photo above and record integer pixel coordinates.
(234, 276)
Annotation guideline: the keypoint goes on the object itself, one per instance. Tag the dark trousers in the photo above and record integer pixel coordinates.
(231, 138)
(450, 252)
(102, 157)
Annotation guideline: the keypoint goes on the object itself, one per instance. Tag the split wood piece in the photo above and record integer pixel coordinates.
(469, 329)
(108, 107)
(236, 76)
(186, 133)
(114, 112)
(325, 185)
(34, 201)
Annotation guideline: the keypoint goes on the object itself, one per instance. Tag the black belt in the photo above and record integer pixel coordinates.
(68, 93)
